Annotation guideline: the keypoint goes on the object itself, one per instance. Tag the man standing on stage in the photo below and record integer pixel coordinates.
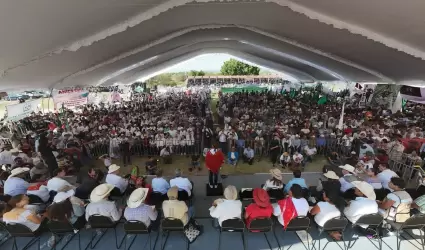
(213, 161)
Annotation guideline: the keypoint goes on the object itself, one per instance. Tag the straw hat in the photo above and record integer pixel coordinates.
(365, 188)
(18, 171)
(113, 168)
(100, 192)
(348, 168)
(62, 196)
(14, 150)
(173, 193)
(331, 175)
(230, 193)
(137, 197)
(276, 173)
(261, 197)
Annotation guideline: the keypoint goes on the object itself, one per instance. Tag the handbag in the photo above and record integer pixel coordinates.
(192, 230)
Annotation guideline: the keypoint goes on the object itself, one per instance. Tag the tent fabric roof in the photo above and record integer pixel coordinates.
(55, 44)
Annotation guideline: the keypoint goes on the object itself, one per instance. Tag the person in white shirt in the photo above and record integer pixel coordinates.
(363, 204)
(165, 154)
(100, 205)
(345, 180)
(16, 183)
(397, 204)
(183, 184)
(295, 199)
(385, 175)
(228, 208)
(298, 159)
(6, 157)
(275, 182)
(58, 182)
(285, 159)
(222, 137)
(114, 179)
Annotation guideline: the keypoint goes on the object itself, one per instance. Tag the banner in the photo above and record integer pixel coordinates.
(413, 94)
(19, 111)
(70, 98)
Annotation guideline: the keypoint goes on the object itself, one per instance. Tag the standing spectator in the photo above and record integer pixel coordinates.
(213, 161)
(126, 152)
(274, 150)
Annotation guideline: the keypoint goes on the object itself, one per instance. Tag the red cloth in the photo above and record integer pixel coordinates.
(214, 161)
(348, 131)
(254, 211)
(288, 210)
(52, 126)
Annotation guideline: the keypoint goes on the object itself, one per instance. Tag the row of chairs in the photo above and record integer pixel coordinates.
(259, 225)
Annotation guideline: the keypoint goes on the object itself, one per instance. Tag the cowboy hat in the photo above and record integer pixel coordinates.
(113, 168)
(365, 188)
(18, 171)
(62, 196)
(230, 193)
(173, 193)
(348, 168)
(14, 150)
(261, 197)
(100, 192)
(276, 173)
(331, 175)
(137, 197)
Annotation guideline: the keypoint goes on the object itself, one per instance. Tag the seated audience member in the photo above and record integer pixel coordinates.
(183, 184)
(261, 208)
(363, 204)
(159, 184)
(296, 180)
(115, 179)
(137, 210)
(310, 152)
(100, 205)
(39, 190)
(3, 209)
(16, 183)
(165, 154)
(88, 183)
(40, 171)
(229, 207)
(195, 163)
(292, 206)
(385, 175)
(21, 215)
(331, 182)
(248, 155)
(175, 209)
(232, 157)
(347, 178)
(151, 165)
(58, 182)
(298, 160)
(373, 179)
(276, 181)
(67, 208)
(328, 209)
(396, 206)
(285, 160)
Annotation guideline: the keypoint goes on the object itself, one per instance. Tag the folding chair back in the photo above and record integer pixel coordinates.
(276, 193)
(414, 222)
(59, 227)
(100, 221)
(235, 225)
(335, 224)
(299, 223)
(135, 227)
(373, 220)
(171, 224)
(261, 225)
(19, 230)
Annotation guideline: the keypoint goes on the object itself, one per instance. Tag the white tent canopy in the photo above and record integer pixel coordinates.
(55, 44)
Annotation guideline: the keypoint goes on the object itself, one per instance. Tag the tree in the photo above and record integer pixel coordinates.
(234, 67)
(196, 73)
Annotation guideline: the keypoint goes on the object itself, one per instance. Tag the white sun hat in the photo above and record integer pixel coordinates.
(100, 192)
(137, 197)
(113, 168)
(18, 171)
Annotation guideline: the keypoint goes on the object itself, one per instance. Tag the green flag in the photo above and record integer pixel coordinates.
(322, 100)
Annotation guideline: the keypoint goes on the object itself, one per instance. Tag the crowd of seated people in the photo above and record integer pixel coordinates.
(291, 133)
(217, 81)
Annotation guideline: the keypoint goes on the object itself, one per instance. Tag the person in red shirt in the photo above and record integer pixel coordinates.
(261, 208)
(213, 161)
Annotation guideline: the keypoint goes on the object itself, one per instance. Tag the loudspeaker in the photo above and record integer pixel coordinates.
(214, 191)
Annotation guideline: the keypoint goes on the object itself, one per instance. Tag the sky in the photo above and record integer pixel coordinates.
(209, 62)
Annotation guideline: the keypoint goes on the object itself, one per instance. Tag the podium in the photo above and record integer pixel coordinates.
(214, 191)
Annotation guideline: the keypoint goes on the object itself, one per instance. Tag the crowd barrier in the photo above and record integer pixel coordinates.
(138, 148)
